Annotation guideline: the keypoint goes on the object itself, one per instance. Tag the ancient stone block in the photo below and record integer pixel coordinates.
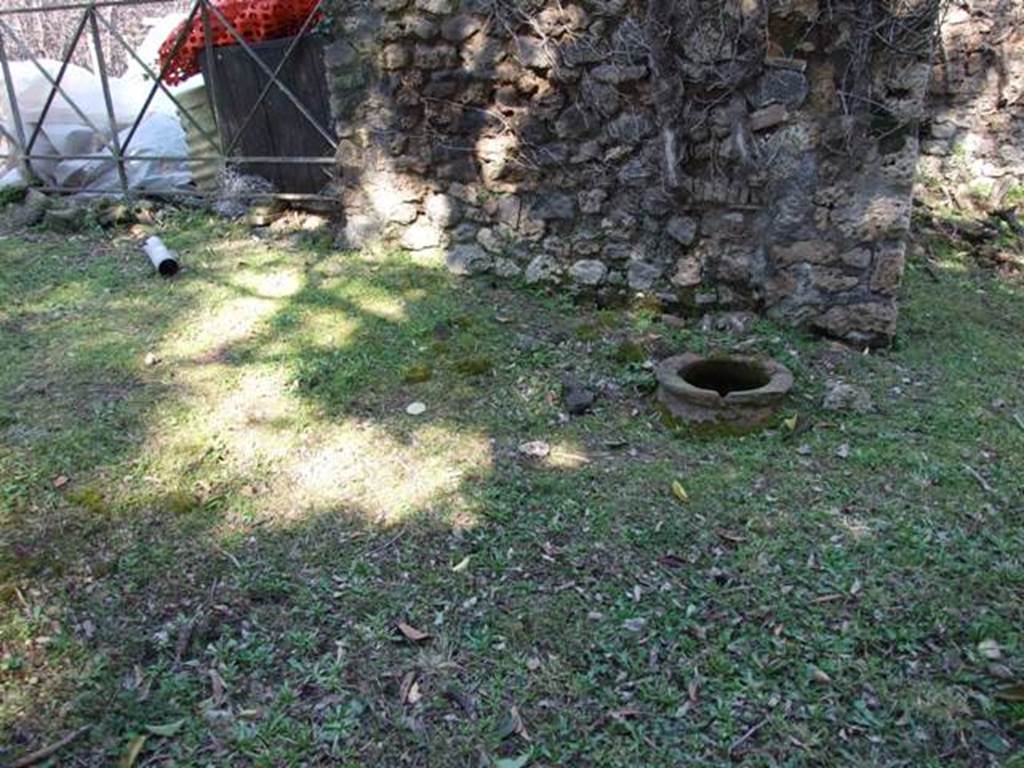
(779, 86)
(630, 128)
(616, 74)
(554, 206)
(588, 272)
(592, 200)
(490, 240)
(857, 258)
(437, 7)
(641, 275)
(442, 209)
(687, 271)
(890, 258)
(395, 56)
(533, 52)
(434, 56)
(682, 229)
(457, 28)
(468, 260)
(421, 235)
(769, 117)
(543, 268)
(600, 97)
(868, 322)
(803, 252)
(832, 280)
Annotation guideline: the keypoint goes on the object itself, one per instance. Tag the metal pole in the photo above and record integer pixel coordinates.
(75, 6)
(155, 77)
(261, 159)
(18, 140)
(211, 68)
(163, 71)
(277, 71)
(101, 65)
(54, 83)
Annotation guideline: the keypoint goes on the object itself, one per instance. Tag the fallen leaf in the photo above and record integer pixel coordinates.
(132, 754)
(635, 625)
(511, 724)
(624, 714)
(411, 633)
(520, 761)
(790, 423)
(679, 491)
(990, 650)
(671, 561)
(819, 676)
(413, 694)
(462, 565)
(60, 481)
(993, 742)
(1013, 693)
(167, 729)
(693, 690)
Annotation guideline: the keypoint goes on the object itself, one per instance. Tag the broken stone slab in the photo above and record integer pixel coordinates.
(468, 260)
(577, 399)
(840, 396)
(65, 220)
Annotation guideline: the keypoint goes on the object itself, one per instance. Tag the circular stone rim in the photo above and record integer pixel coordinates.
(780, 381)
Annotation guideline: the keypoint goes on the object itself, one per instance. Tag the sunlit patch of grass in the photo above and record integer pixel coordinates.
(245, 518)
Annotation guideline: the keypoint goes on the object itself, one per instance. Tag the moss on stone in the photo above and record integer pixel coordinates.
(473, 366)
(418, 373)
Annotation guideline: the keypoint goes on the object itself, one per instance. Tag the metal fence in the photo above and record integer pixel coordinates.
(94, 24)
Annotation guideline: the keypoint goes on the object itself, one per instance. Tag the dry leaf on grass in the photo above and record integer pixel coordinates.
(411, 633)
(132, 753)
(679, 491)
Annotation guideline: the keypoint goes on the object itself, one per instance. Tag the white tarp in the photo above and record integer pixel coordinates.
(67, 130)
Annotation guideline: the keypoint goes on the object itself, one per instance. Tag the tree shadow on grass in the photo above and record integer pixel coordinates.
(577, 610)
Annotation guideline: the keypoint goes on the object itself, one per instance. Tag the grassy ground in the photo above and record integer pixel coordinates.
(215, 510)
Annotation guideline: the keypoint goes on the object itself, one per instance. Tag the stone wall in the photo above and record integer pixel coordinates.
(735, 154)
(973, 146)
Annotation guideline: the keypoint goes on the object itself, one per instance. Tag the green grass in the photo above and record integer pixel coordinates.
(213, 551)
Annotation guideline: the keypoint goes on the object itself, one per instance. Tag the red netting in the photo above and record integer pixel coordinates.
(255, 21)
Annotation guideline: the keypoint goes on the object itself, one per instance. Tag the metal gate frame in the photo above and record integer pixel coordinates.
(93, 20)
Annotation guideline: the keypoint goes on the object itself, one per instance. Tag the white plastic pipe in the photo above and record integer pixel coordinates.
(164, 261)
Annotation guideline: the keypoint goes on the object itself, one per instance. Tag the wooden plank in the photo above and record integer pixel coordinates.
(277, 129)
